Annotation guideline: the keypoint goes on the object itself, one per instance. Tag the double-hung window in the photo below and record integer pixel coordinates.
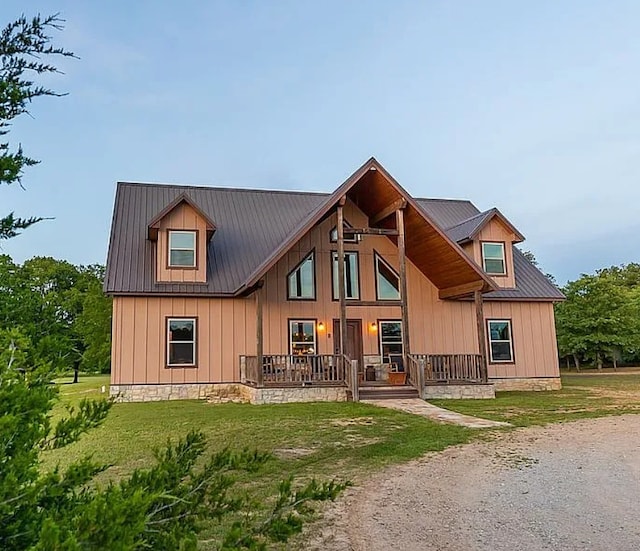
(493, 258)
(301, 281)
(181, 342)
(387, 281)
(500, 341)
(390, 332)
(302, 337)
(182, 249)
(351, 278)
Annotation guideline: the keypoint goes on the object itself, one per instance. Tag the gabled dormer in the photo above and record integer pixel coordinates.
(489, 238)
(181, 232)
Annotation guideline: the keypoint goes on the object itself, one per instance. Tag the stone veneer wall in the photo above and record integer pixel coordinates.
(460, 392)
(226, 392)
(533, 383)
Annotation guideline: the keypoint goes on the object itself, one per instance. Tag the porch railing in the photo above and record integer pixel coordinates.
(415, 375)
(292, 370)
(351, 376)
(451, 368)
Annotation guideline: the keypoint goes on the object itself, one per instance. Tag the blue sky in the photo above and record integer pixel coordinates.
(532, 107)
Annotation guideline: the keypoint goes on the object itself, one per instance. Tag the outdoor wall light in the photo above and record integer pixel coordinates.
(373, 327)
(320, 326)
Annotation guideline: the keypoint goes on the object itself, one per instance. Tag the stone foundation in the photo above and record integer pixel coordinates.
(533, 383)
(460, 392)
(218, 393)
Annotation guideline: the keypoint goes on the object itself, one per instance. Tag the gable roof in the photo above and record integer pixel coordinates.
(253, 225)
(183, 198)
(468, 229)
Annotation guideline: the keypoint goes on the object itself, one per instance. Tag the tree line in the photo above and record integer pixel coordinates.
(600, 320)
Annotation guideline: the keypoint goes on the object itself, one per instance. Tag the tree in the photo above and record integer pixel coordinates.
(160, 507)
(598, 319)
(532, 258)
(25, 45)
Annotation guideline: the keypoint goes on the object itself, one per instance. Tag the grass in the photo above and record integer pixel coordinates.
(582, 396)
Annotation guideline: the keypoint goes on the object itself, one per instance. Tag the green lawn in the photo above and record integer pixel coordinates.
(582, 396)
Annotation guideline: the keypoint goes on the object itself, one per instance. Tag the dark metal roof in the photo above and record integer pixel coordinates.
(251, 225)
(464, 231)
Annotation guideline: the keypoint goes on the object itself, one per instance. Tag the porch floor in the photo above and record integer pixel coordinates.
(416, 406)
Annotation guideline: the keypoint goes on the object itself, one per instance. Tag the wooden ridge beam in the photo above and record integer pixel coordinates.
(369, 231)
(388, 211)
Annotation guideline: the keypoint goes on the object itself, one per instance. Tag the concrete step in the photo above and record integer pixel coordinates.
(388, 392)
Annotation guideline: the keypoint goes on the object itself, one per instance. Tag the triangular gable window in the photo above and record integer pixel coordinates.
(387, 281)
(352, 238)
(301, 281)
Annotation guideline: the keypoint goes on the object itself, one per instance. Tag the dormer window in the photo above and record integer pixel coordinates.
(182, 249)
(493, 259)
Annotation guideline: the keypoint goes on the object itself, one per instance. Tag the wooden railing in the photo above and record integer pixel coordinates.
(292, 370)
(351, 376)
(451, 368)
(415, 375)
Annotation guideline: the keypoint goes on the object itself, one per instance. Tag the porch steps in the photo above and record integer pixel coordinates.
(388, 392)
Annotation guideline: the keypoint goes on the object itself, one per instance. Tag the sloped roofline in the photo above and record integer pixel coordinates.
(154, 225)
(317, 215)
(483, 219)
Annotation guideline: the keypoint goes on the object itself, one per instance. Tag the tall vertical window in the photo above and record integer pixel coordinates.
(181, 342)
(500, 341)
(302, 337)
(390, 339)
(301, 281)
(387, 281)
(493, 258)
(351, 286)
(182, 249)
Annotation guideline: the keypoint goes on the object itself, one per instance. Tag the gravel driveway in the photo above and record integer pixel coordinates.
(573, 486)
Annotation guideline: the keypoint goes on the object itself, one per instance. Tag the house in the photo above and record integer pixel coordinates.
(238, 293)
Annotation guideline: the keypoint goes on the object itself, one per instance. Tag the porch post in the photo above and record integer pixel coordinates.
(259, 332)
(341, 289)
(482, 335)
(402, 260)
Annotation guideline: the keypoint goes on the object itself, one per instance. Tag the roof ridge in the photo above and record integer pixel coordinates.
(223, 188)
(467, 220)
(444, 199)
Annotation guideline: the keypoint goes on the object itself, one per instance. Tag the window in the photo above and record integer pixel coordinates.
(182, 249)
(181, 342)
(351, 287)
(301, 282)
(493, 258)
(387, 281)
(302, 337)
(500, 342)
(350, 238)
(390, 339)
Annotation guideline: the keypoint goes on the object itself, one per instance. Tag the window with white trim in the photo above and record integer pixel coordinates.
(351, 278)
(182, 249)
(349, 238)
(390, 332)
(301, 281)
(387, 281)
(500, 341)
(181, 342)
(302, 337)
(493, 259)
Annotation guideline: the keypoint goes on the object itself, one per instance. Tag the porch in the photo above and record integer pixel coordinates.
(418, 378)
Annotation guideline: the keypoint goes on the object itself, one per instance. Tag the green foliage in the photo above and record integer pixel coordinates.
(601, 316)
(24, 44)
(61, 308)
(161, 507)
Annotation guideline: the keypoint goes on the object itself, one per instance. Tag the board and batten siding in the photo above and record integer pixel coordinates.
(226, 328)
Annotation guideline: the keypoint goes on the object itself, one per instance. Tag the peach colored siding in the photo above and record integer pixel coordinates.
(183, 217)
(226, 329)
(498, 232)
(534, 339)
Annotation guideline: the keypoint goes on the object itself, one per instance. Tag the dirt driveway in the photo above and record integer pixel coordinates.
(566, 487)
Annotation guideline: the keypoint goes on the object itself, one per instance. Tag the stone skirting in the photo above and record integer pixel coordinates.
(460, 392)
(218, 393)
(528, 383)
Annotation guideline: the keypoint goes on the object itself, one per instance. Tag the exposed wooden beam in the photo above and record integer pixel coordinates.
(482, 335)
(259, 331)
(369, 231)
(377, 303)
(400, 204)
(460, 290)
(402, 260)
(342, 201)
(341, 286)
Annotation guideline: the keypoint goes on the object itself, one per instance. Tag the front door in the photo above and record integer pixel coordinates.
(352, 342)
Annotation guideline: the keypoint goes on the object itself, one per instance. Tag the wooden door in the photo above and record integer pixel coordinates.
(352, 342)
